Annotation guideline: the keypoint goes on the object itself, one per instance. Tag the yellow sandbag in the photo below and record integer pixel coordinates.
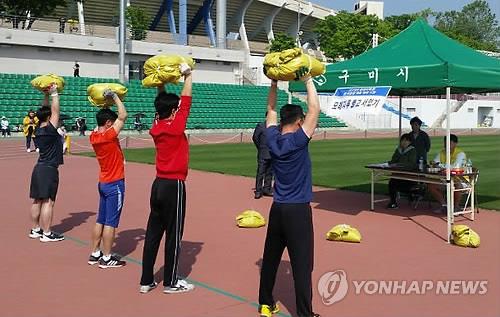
(96, 91)
(344, 233)
(283, 65)
(250, 219)
(162, 69)
(43, 82)
(465, 236)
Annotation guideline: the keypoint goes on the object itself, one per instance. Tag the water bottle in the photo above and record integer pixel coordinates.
(469, 166)
(421, 164)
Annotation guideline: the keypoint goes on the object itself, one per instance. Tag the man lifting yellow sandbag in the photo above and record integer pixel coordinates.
(162, 69)
(44, 82)
(96, 93)
(284, 65)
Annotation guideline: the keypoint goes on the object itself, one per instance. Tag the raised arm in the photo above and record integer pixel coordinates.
(54, 106)
(272, 115)
(178, 125)
(122, 112)
(46, 99)
(313, 109)
(187, 90)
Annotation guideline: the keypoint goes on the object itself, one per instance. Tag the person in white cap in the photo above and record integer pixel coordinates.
(5, 127)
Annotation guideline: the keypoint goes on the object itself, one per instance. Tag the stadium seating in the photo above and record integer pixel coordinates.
(215, 106)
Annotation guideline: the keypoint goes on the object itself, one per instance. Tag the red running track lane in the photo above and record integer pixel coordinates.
(55, 280)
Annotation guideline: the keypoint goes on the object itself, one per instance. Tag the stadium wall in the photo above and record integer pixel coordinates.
(42, 52)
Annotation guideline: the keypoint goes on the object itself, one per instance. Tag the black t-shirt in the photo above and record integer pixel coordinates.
(50, 144)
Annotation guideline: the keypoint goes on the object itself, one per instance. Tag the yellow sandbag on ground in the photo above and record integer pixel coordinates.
(344, 233)
(283, 65)
(162, 69)
(465, 236)
(96, 91)
(250, 219)
(43, 82)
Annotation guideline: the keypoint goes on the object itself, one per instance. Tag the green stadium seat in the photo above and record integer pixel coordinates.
(215, 106)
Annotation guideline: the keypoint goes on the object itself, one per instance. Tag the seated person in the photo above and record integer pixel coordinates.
(138, 123)
(404, 157)
(457, 159)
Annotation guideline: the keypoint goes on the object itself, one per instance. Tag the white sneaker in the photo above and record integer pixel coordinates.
(147, 288)
(181, 287)
(37, 150)
(28, 150)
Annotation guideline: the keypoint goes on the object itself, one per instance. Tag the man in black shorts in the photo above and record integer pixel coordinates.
(45, 176)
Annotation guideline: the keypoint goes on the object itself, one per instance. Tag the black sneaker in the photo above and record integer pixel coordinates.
(52, 237)
(258, 195)
(35, 234)
(392, 206)
(94, 259)
(113, 261)
(268, 193)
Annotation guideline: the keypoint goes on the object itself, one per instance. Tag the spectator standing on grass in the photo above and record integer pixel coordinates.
(264, 177)
(4, 124)
(419, 139)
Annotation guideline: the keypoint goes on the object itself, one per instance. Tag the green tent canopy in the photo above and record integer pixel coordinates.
(418, 61)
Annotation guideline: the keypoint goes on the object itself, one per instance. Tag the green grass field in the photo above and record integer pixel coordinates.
(340, 163)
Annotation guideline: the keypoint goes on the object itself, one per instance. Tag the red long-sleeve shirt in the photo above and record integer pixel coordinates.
(172, 148)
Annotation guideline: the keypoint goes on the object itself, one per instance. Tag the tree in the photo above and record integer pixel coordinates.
(475, 26)
(401, 22)
(348, 34)
(138, 21)
(37, 8)
(282, 42)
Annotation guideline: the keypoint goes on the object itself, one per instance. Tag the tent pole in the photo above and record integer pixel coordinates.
(449, 196)
(400, 113)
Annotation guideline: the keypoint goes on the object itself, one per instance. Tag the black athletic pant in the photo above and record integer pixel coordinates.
(264, 176)
(398, 185)
(29, 137)
(290, 225)
(168, 205)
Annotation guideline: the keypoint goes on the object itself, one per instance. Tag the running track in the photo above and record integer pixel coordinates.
(222, 260)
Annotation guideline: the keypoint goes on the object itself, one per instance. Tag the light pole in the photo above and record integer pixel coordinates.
(121, 39)
(298, 24)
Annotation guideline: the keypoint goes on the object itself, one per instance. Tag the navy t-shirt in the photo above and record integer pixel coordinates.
(50, 144)
(291, 165)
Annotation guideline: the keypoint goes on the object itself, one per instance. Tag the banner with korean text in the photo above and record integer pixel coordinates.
(369, 100)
